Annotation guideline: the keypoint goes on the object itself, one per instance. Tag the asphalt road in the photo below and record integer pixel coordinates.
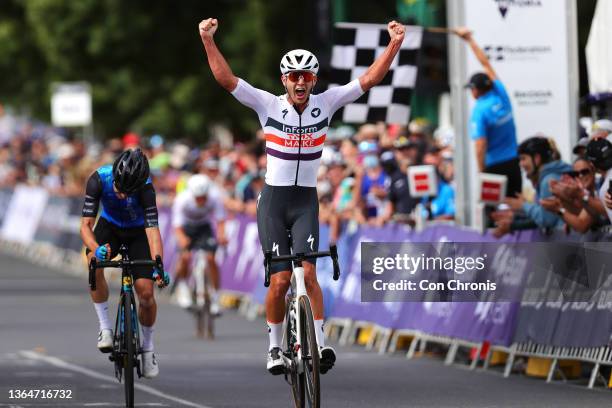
(48, 332)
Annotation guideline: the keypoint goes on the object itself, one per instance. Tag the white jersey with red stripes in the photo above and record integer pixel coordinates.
(294, 141)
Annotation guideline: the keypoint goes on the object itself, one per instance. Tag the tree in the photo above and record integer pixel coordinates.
(144, 59)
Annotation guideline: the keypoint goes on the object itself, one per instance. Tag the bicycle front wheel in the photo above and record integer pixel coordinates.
(309, 377)
(297, 390)
(129, 347)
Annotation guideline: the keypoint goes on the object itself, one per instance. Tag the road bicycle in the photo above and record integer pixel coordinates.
(202, 296)
(126, 337)
(301, 352)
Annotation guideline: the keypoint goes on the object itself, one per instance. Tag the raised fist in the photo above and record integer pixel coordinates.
(396, 31)
(208, 27)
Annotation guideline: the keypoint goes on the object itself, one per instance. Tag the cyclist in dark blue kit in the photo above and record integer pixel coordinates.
(129, 216)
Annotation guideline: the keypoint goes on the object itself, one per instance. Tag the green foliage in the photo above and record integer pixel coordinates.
(144, 59)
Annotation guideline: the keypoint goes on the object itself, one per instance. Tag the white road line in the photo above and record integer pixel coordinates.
(57, 362)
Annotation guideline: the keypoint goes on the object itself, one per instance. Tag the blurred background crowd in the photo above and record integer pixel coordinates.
(362, 179)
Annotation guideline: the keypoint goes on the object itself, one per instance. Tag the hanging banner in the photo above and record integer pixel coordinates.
(531, 45)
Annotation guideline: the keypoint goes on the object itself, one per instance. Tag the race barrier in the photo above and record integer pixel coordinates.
(46, 228)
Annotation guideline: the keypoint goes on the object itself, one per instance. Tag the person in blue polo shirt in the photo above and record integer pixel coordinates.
(492, 123)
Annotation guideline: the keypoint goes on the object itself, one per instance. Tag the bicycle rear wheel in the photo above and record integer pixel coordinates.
(309, 378)
(293, 379)
(129, 347)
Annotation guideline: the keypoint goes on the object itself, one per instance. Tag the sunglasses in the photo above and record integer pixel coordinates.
(294, 76)
(579, 173)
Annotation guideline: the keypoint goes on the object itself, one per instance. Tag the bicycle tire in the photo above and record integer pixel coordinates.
(310, 355)
(203, 316)
(130, 351)
(297, 391)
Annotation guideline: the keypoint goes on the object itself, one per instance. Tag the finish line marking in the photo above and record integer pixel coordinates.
(57, 362)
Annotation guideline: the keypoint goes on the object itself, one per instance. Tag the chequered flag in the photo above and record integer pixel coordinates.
(355, 49)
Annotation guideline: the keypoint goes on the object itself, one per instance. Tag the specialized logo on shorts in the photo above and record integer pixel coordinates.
(311, 241)
(275, 248)
(258, 198)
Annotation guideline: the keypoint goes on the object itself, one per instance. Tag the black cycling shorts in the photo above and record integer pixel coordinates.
(134, 238)
(202, 237)
(288, 221)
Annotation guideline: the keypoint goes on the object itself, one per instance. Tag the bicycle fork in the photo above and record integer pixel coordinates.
(300, 286)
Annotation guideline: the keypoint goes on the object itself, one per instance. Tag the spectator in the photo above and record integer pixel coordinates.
(536, 158)
(492, 122)
(601, 129)
(401, 204)
(599, 152)
(372, 189)
(580, 147)
(577, 204)
(131, 141)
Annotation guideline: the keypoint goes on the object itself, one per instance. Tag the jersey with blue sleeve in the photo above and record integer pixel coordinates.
(492, 119)
(136, 210)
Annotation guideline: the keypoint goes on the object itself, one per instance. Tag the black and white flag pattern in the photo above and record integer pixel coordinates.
(355, 48)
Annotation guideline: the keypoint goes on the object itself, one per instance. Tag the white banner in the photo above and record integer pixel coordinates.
(23, 214)
(530, 44)
(599, 49)
(71, 104)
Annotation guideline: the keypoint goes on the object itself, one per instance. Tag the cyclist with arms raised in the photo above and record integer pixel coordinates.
(193, 213)
(129, 216)
(295, 125)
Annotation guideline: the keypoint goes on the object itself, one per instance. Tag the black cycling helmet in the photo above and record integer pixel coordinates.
(599, 152)
(537, 145)
(130, 171)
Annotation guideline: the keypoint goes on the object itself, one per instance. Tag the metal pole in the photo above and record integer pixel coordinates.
(459, 111)
(572, 68)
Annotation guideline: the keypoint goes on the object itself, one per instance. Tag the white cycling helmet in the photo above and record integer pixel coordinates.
(198, 185)
(299, 60)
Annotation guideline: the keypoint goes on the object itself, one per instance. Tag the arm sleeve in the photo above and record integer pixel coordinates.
(543, 218)
(500, 89)
(254, 98)
(339, 96)
(149, 204)
(478, 128)
(93, 192)
(219, 209)
(178, 220)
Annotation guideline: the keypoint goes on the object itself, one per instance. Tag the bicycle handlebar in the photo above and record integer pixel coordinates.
(95, 264)
(299, 257)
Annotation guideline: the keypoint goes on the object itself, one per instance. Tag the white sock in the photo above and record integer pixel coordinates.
(319, 332)
(214, 296)
(102, 312)
(275, 331)
(147, 338)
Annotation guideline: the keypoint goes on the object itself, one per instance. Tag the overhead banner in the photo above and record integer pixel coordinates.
(532, 47)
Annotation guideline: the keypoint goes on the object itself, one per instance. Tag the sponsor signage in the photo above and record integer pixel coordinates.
(529, 45)
(492, 188)
(423, 181)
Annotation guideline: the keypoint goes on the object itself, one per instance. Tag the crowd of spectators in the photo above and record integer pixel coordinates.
(362, 178)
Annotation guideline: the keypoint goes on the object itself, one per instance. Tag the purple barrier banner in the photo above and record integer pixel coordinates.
(241, 261)
(557, 323)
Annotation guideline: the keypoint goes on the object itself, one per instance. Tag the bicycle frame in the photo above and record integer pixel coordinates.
(297, 279)
(199, 274)
(297, 283)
